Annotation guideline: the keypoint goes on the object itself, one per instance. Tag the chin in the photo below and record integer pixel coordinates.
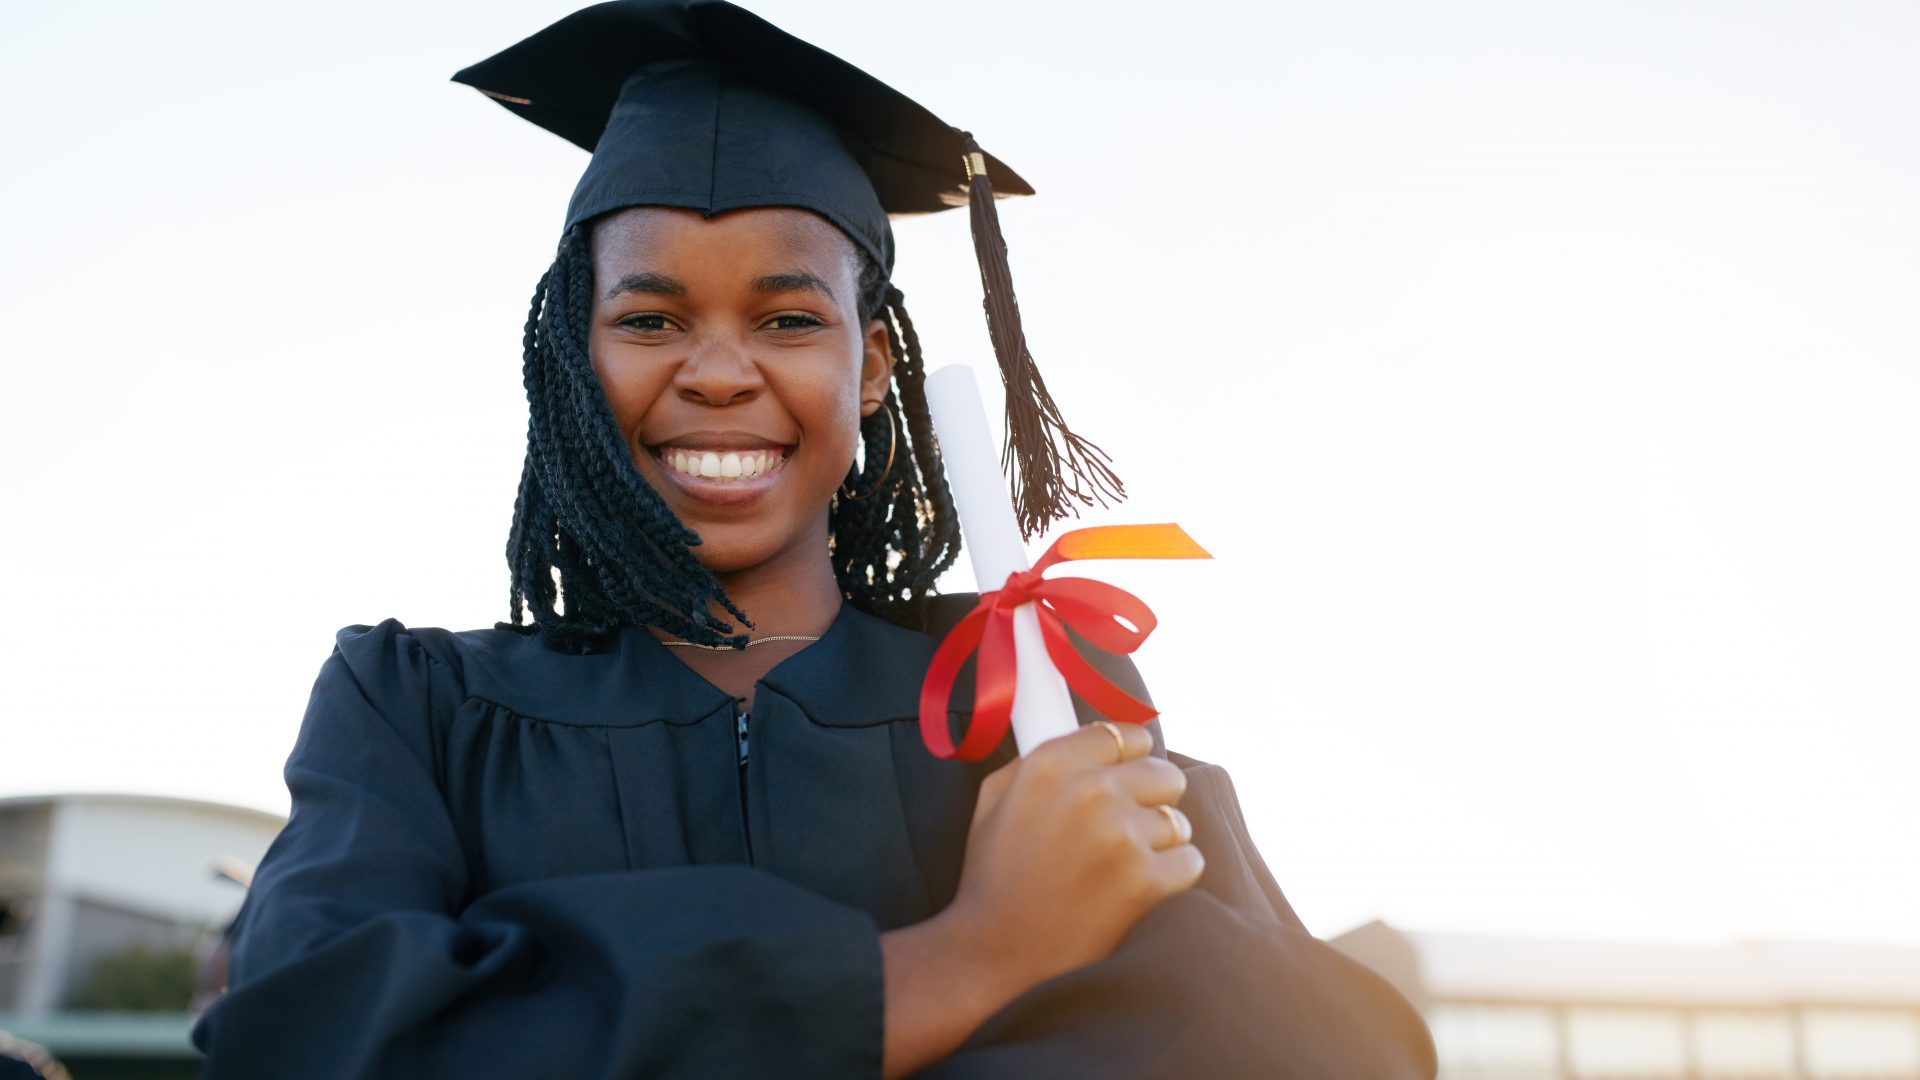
(734, 547)
(723, 561)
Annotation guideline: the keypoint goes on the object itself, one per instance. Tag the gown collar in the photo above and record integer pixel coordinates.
(863, 671)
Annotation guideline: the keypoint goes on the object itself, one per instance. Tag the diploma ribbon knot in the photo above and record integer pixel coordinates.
(1107, 616)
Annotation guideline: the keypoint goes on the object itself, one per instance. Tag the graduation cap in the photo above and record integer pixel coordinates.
(703, 105)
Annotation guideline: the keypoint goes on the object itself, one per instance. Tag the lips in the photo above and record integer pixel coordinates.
(721, 468)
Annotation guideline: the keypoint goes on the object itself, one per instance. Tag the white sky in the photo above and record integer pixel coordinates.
(1542, 377)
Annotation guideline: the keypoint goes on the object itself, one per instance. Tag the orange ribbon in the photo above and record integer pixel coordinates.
(1107, 616)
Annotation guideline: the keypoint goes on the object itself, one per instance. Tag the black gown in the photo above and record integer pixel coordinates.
(505, 861)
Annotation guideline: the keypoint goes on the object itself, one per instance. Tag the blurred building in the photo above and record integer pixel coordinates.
(1517, 1009)
(83, 877)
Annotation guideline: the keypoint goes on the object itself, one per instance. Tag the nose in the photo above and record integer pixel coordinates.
(719, 373)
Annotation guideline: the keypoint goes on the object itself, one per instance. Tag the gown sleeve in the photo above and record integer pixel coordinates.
(359, 955)
(1221, 981)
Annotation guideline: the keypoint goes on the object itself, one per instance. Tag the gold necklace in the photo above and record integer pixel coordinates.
(750, 644)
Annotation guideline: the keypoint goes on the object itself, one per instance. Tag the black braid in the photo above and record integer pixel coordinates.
(891, 546)
(593, 547)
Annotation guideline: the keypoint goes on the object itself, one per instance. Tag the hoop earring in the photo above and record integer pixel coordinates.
(877, 484)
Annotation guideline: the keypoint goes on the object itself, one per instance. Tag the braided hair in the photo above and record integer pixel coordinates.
(594, 547)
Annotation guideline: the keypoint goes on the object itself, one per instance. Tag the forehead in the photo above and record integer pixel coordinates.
(751, 239)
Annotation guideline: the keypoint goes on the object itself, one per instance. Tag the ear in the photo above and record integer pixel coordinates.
(876, 368)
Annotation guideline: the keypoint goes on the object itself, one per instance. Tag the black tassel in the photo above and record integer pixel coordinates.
(1053, 471)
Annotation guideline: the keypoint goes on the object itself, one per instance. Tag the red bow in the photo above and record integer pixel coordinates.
(1109, 617)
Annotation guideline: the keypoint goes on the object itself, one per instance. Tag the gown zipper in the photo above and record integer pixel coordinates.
(740, 735)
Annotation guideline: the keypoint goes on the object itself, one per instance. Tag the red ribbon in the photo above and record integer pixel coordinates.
(1109, 617)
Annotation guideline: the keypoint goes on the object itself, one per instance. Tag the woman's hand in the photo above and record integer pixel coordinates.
(1067, 850)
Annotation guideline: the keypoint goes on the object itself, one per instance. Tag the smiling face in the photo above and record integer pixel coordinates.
(737, 367)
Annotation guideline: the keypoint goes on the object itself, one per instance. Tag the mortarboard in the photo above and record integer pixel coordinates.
(703, 105)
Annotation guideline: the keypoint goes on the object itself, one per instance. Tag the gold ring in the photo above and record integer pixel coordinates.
(1179, 822)
(1119, 740)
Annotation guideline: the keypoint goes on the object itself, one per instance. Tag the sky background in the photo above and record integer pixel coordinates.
(1542, 377)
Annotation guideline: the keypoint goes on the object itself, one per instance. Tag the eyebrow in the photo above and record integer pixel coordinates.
(659, 284)
(792, 281)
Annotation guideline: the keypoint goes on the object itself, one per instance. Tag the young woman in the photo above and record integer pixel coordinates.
(675, 818)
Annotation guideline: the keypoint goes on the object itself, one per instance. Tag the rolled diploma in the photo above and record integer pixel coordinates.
(1042, 705)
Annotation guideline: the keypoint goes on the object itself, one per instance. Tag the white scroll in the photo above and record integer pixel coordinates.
(1042, 705)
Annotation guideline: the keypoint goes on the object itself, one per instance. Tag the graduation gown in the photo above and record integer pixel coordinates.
(505, 861)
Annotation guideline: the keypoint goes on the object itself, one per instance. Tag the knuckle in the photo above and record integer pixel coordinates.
(1044, 764)
(1196, 864)
(1089, 787)
(1162, 776)
(1144, 891)
(1158, 884)
(1178, 779)
(1110, 834)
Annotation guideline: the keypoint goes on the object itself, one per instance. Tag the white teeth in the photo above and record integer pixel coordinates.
(718, 465)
